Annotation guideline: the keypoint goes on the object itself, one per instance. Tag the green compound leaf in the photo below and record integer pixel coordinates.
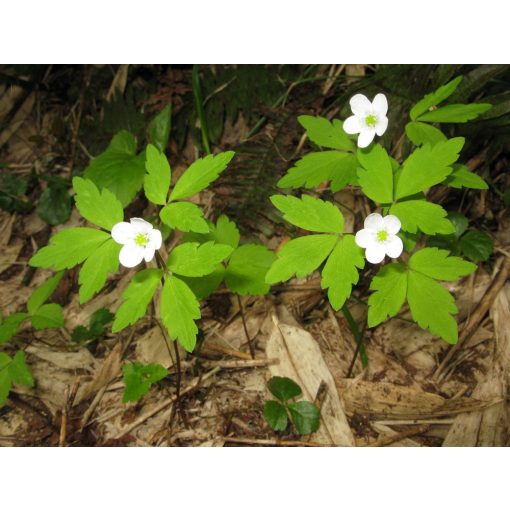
(184, 216)
(5, 379)
(139, 378)
(43, 292)
(310, 213)
(456, 113)
(276, 415)
(100, 208)
(95, 270)
(283, 388)
(344, 173)
(193, 259)
(428, 166)
(420, 133)
(156, 182)
(340, 272)
(419, 214)
(48, 316)
(10, 325)
(136, 298)
(476, 246)
(204, 286)
(305, 417)
(462, 177)
(376, 176)
(390, 287)
(69, 248)
(159, 128)
(118, 168)
(434, 98)
(19, 371)
(200, 174)
(179, 310)
(247, 269)
(301, 256)
(226, 232)
(325, 133)
(432, 306)
(318, 167)
(440, 265)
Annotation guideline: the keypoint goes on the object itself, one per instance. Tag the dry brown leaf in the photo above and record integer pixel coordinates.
(151, 347)
(301, 360)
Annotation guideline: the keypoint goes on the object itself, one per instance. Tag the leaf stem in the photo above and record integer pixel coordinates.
(358, 336)
(245, 327)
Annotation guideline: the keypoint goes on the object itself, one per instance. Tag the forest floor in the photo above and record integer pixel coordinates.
(416, 390)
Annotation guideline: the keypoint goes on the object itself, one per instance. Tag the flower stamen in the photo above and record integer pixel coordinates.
(141, 240)
(382, 236)
(371, 120)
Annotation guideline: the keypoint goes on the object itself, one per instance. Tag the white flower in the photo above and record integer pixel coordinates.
(379, 237)
(140, 241)
(369, 118)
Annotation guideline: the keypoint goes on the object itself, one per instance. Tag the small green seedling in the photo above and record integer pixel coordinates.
(304, 415)
(139, 378)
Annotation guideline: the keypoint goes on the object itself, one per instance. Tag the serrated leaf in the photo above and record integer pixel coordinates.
(420, 133)
(432, 306)
(156, 182)
(462, 177)
(325, 133)
(19, 371)
(376, 175)
(427, 166)
(305, 417)
(200, 174)
(318, 167)
(247, 268)
(283, 388)
(43, 292)
(118, 168)
(69, 248)
(344, 173)
(440, 265)
(95, 270)
(456, 113)
(48, 316)
(136, 298)
(179, 310)
(301, 256)
(310, 213)
(434, 98)
(276, 415)
(226, 232)
(138, 379)
(340, 272)
(100, 208)
(184, 216)
(159, 128)
(476, 245)
(419, 214)
(10, 325)
(389, 288)
(193, 259)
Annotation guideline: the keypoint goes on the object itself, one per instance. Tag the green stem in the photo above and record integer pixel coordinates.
(358, 337)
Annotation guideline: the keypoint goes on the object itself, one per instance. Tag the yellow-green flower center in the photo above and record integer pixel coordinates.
(371, 120)
(141, 240)
(382, 235)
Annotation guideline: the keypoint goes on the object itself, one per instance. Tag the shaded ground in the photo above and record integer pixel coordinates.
(416, 390)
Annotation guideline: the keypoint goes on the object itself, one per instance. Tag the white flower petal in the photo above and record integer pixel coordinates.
(381, 126)
(365, 137)
(364, 238)
(373, 222)
(375, 253)
(131, 255)
(391, 224)
(380, 105)
(394, 247)
(352, 125)
(360, 104)
(149, 253)
(141, 226)
(122, 232)
(155, 239)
